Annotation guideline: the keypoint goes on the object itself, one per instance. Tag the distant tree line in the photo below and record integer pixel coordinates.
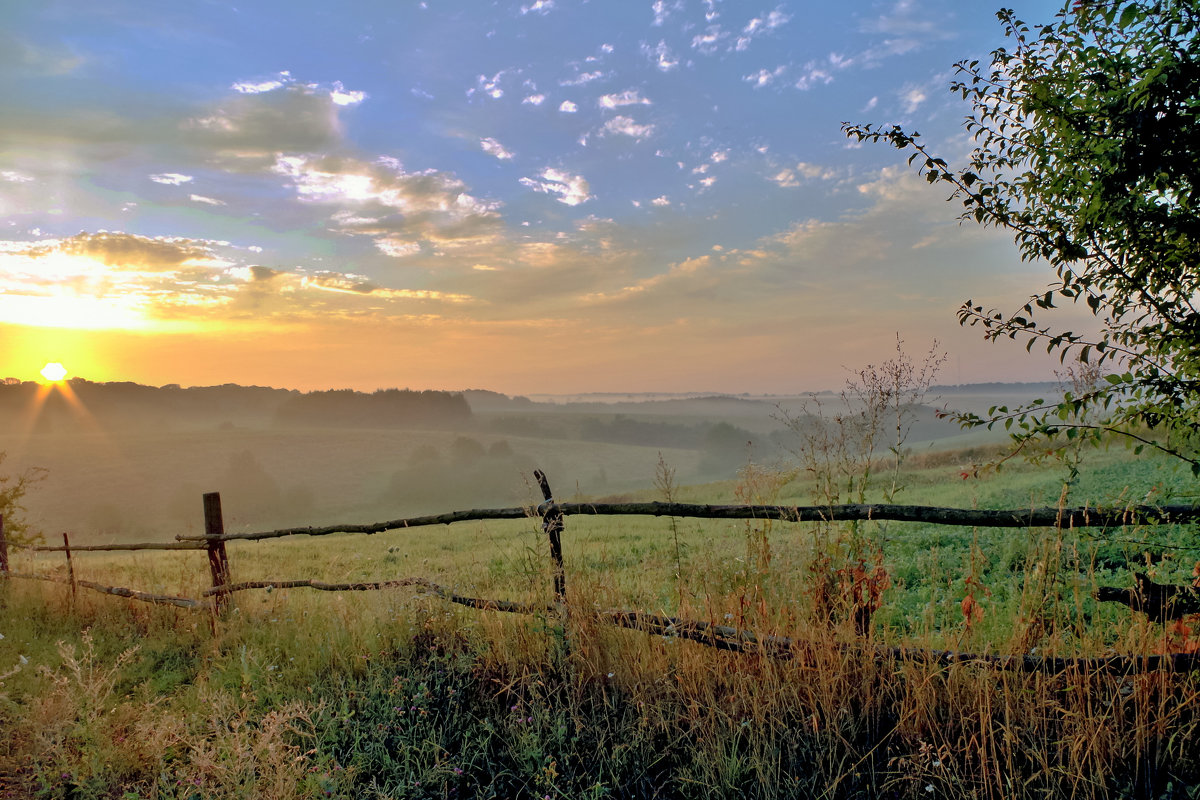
(127, 404)
(381, 409)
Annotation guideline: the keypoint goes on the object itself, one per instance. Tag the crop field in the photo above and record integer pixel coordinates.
(397, 693)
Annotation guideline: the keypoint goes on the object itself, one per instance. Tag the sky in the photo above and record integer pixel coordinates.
(542, 196)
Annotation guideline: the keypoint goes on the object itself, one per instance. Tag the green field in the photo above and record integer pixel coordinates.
(396, 693)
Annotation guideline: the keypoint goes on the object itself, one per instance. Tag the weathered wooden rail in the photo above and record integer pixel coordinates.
(1160, 603)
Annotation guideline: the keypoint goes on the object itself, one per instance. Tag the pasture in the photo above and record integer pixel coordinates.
(395, 693)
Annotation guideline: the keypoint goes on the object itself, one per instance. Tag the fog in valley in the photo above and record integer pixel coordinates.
(126, 462)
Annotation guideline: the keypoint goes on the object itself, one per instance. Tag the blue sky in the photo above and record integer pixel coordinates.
(539, 196)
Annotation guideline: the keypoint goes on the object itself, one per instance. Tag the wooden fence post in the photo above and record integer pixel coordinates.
(552, 524)
(70, 567)
(218, 560)
(3, 547)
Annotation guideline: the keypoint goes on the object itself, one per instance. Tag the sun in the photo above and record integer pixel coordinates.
(54, 372)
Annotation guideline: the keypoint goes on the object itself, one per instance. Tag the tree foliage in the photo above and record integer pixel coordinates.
(12, 491)
(1087, 149)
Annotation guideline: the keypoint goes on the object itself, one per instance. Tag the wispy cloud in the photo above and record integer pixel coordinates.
(791, 177)
(572, 190)
(912, 97)
(661, 56)
(171, 178)
(764, 77)
(759, 26)
(709, 41)
(629, 97)
(542, 7)
(494, 148)
(626, 126)
(258, 87)
(583, 78)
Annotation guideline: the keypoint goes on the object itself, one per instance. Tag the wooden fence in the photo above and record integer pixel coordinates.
(1159, 602)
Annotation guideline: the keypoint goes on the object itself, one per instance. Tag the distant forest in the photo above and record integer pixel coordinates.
(126, 404)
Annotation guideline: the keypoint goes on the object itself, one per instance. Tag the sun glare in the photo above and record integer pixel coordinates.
(54, 372)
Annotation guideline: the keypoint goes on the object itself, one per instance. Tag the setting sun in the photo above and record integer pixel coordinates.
(54, 372)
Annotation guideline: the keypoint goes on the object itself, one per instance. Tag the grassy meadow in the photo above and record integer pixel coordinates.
(398, 694)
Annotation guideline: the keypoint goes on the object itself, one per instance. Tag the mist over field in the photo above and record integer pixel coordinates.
(124, 461)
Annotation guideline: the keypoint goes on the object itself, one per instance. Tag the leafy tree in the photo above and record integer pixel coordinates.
(12, 491)
(1087, 149)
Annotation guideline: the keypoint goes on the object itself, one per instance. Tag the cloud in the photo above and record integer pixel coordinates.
(764, 77)
(542, 7)
(661, 201)
(572, 190)
(494, 148)
(104, 280)
(912, 97)
(171, 178)
(129, 251)
(341, 96)
(567, 107)
(906, 27)
(248, 131)
(258, 87)
(211, 201)
(813, 75)
(662, 9)
(791, 177)
(759, 26)
(534, 100)
(625, 126)
(661, 56)
(709, 42)
(583, 78)
(383, 200)
(489, 86)
(629, 97)
(396, 248)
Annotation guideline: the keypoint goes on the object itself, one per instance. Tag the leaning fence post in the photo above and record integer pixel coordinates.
(552, 524)
(218, 560)
(3, 548)
(70, 567)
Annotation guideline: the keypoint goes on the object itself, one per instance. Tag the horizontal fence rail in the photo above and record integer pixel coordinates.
(1048, 517)
(118, 591)
(96, 548)
(1158, 602)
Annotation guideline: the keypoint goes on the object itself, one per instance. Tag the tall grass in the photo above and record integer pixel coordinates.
(393, 694)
